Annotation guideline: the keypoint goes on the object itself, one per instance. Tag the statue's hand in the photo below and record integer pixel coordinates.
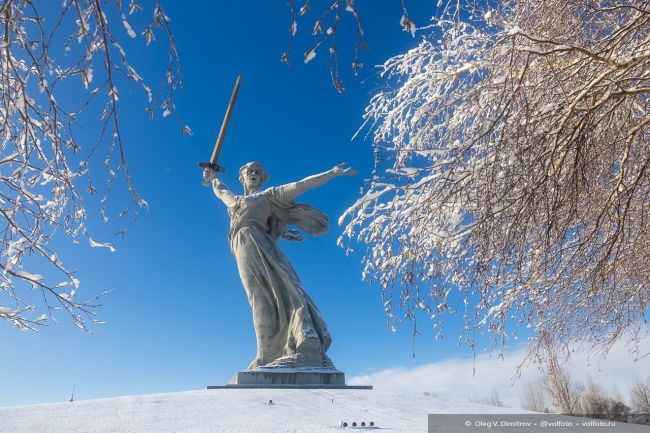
(342, 170)
(208, 175)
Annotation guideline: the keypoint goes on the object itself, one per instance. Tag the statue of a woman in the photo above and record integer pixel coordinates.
(289, 328)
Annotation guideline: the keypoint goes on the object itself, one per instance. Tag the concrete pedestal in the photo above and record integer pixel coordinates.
(290, 378)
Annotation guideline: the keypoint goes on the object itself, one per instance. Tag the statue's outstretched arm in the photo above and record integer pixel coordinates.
(293, 190)
(220, 189)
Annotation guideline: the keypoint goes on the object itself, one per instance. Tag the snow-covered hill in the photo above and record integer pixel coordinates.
(237, 411)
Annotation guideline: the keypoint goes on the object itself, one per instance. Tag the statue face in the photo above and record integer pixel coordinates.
(253, 177)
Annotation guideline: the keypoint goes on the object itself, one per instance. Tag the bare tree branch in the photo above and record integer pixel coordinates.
(511, 182)
(325, 30)
(42, 164)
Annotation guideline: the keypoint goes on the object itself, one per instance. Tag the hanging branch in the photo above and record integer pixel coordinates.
(42, 164)
(325, 29)
(512, 182)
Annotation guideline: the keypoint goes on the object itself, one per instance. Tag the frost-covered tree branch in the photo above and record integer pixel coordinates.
(512, 181)
(56, 62)
(324, 30)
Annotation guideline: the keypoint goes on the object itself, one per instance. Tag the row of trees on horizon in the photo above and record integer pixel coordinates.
(559, 393)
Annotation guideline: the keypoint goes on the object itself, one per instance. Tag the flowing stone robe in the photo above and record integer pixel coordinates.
(289, 328)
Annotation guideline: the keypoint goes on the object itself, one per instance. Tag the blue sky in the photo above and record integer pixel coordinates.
(178, 318)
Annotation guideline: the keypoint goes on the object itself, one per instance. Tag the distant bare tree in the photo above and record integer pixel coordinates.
(640, 398)
(565, 393)
(595, 400)
(512, 173)
(58, 61)
(618, 410)
(534, 397)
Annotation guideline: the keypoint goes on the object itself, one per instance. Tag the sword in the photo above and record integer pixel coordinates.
(222, 132)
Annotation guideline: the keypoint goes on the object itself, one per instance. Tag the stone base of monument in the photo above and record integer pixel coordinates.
(290, 378)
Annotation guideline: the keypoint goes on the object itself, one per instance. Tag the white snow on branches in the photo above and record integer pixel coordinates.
(95, 244)
(512, 177)
(43, 168)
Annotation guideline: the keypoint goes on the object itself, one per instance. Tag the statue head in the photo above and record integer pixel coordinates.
(252, 176)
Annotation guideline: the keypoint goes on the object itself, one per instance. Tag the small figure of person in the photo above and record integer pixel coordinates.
(289, 329)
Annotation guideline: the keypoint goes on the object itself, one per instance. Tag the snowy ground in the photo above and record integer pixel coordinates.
(237, 411)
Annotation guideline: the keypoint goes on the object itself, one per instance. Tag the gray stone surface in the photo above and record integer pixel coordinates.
(288, 386)
(312, 378)
(289, 329)
(268, 376)
(300, 378)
